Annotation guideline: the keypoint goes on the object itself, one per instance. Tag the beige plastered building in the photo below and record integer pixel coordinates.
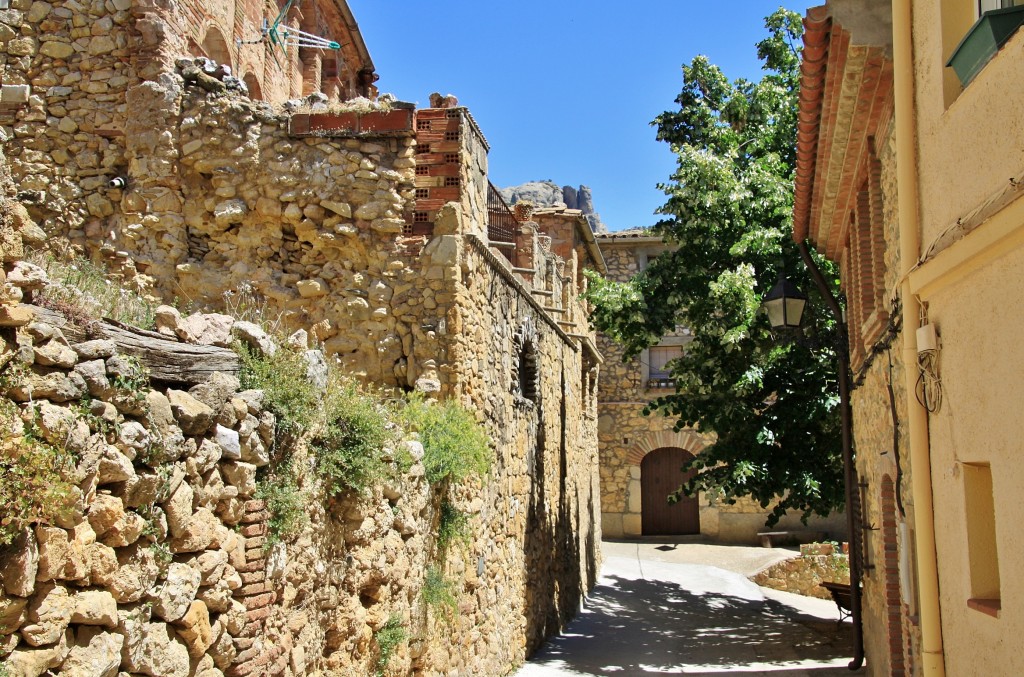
(909, 177)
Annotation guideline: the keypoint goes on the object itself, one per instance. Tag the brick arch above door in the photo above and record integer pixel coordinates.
(690, 440)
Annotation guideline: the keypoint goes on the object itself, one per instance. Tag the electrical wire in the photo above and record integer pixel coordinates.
(929, 386)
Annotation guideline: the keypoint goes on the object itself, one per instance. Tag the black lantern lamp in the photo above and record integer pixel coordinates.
(785, 304)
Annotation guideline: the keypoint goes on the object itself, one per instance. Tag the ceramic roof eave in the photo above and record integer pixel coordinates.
(817, 29)
(846, 90)
(355, 33)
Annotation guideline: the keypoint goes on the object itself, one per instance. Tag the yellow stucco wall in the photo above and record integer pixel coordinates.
(970, 143)
(980, 422)
(970, 139)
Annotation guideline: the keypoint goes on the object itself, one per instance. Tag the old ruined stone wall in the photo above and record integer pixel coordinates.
(222, 196)
(67, 66)
(626, 435)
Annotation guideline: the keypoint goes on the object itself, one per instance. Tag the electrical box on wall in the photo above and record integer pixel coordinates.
(927, 339)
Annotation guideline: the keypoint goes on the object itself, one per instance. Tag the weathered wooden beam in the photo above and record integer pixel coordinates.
(167, 359)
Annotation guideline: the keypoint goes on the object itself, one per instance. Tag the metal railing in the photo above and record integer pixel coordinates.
(501, 222)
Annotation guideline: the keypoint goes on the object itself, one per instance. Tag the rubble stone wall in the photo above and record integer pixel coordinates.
(221, 197)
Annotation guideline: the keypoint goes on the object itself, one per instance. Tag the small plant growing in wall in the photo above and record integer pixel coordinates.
(349, 446)
(455, 446)
(286, 503)
(86, 292)
(287, 391)
(389, 637)
(439, 592)
(33, 484)
(453, 527)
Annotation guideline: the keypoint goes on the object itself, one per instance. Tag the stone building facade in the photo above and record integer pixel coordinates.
(371, 228)
(641, 456)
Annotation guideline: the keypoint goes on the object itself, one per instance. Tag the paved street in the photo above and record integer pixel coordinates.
(688, 608)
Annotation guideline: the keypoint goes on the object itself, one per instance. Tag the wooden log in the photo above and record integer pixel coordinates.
(167, 359)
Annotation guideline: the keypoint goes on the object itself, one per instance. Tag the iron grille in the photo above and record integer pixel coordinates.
(501, 222)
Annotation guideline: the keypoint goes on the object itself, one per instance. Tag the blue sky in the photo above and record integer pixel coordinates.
(564, 89)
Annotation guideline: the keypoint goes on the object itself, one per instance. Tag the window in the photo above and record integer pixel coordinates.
(659, 373)
(989, 5)
(982, 550)
(972, 33)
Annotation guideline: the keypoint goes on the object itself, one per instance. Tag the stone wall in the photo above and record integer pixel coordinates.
(882, 458)
(626, 435)
(225, 197)
(803, 575)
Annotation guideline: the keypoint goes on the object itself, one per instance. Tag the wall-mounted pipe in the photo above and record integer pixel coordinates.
(932, 662)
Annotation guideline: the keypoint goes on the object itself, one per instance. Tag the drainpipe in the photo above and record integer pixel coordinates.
(917, 418)
(849, 473)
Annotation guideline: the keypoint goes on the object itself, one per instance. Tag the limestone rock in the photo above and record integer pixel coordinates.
(254, 337)
(136, 573)
(55, 354)
(194, 629)
(241, 475)
(98, 349)
(179, 509)
(95, 654)
(104, 513)
(12, 613)
(54, 548)
(27, 276)
(15, 316)
(194, 417)
(207, 329)
(228, 441)
(19, 564)
(168, 319)
(201, 532)
(171, 599)
(155, 651)
(94, 607)
(49, 613)
(102, 562)
(35, 662)
(216, 391)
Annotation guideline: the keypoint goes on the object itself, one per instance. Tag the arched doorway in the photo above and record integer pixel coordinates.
(660, 475)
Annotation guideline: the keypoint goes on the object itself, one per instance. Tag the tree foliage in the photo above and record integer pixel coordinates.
(772, 404)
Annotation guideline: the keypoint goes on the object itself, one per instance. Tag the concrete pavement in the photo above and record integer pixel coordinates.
(688, 608)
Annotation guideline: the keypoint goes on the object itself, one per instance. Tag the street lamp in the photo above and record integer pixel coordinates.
(785, 306)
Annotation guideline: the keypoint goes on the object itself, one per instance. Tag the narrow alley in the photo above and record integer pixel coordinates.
(688, 608)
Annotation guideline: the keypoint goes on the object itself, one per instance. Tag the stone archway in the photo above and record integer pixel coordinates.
(687, 440)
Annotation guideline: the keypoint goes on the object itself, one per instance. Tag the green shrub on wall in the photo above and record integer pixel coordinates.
(349, 446)
(287, 392)
(454, 444)
(389, 637)
(33, 484)
(439, 592)
(286, 503)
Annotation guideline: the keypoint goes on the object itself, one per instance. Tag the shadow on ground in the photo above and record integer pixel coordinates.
(647, 627)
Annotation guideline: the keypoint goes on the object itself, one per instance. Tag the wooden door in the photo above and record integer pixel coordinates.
(660, 475)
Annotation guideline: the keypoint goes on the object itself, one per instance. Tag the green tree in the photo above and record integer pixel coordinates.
(772, 404)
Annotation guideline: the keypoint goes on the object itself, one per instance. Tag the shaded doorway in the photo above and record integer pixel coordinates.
(660, 475)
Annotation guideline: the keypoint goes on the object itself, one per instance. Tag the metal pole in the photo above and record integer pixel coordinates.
(849, 472)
